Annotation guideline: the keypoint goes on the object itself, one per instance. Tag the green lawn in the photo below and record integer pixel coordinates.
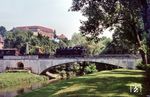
(15, 79)
(102, 84)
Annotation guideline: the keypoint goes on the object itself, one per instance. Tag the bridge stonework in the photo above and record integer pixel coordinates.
(39, 65)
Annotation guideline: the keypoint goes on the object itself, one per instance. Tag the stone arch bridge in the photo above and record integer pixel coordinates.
(38, 65)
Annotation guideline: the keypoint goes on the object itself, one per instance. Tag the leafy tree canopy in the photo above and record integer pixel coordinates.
(102, 14)
(128, 18)
(2, 31)
(21, 39)
(93, 48)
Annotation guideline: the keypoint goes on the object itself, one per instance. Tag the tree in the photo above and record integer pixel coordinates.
(145, 6)
(123, 15)
(17, 39)
(93, 48)
(27, 43)
(78, 39)
(2, 31)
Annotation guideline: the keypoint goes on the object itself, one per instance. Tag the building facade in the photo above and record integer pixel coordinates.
(62, 36)
(1, 42)
(48, 32)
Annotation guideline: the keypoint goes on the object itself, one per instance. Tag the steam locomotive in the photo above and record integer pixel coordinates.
(77, 51)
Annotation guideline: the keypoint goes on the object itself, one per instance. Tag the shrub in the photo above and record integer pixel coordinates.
(90, 69)
(141, 66)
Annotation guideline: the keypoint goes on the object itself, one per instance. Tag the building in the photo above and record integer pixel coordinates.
(48, 32)
(62, 36)
(1, 42)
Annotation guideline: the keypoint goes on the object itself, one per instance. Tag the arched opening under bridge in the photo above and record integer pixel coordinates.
(71, 65)
(20, 65)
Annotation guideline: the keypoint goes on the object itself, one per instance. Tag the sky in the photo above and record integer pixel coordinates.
(48, 13)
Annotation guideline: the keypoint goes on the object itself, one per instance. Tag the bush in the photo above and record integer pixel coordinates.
(148, 67)
(141, 66)
(90, 69)
(146, 81)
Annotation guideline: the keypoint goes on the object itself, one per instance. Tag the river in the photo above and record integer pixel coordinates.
(18, 90)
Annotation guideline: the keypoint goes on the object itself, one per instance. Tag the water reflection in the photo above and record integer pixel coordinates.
(12, 92)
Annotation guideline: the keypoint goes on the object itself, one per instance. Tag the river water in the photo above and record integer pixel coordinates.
(18, 90)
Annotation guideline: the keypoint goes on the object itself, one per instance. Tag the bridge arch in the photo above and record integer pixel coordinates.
(20, 65)
(124, 62)
(63, 63)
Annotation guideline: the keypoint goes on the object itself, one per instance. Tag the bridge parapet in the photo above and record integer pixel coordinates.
(137, 56)
(31, 57)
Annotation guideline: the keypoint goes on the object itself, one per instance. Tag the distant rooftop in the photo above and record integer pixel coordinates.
(62, 36)
(44, 31)
(35, 28)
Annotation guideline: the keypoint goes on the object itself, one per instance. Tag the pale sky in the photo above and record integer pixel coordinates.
(48, 13)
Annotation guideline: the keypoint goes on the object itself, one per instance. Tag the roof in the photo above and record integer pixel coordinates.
(62, 36)
(31, 28)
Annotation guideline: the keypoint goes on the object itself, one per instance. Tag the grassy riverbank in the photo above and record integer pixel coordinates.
(102, 84)
(14, 79)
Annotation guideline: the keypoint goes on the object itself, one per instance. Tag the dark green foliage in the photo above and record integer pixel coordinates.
(90, 69)
(128, 18)
(113, 14)
(20, 39)
(3, 31)
(104, 14)
(93, 48)
(141, 66)
(146, 81)
(17, 39)
(79, 68)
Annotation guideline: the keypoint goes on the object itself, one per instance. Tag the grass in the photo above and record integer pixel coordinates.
(115, 83)
(15, 79)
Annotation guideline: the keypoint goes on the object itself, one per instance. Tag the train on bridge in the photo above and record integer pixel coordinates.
(77, 51)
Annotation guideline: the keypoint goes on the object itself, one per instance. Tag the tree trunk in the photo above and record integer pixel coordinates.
(146, 19)
(137, 36)
(143, 55)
